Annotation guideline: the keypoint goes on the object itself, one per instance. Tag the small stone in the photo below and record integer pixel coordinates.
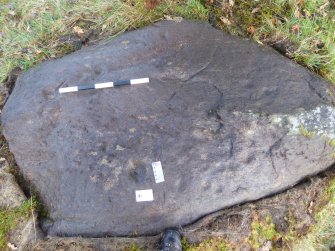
(11, 195)
(11, 246)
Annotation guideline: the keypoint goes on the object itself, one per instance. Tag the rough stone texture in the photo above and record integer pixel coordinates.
(220, 114)
(11, 195)
(27, 232)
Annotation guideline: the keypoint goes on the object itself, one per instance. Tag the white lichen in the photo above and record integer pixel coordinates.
(320, 120)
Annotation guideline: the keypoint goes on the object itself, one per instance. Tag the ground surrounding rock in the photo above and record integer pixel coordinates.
(25, 235)
(151, 243)
(11, 195)
(27, 232)
(224, 116)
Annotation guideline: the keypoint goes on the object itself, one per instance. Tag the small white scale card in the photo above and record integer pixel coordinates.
(144, 195)
(158, 171)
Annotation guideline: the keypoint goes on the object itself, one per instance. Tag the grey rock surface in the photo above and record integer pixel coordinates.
(224, 116)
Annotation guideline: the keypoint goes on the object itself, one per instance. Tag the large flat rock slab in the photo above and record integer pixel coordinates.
(229, 120)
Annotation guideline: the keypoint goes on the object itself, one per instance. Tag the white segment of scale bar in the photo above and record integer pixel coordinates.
(139, 81)
(68, 89)
(103, 85)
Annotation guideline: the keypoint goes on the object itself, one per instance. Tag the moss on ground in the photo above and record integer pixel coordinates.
(133, 247)
(215, 244)
(10, 218)
(322, 234)
(264, 233)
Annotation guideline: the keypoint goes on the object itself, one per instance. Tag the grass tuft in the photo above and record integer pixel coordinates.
(10, 218)
(264, 232)
(302, 30)
(215, 244)
(133, 247)
(322, 234)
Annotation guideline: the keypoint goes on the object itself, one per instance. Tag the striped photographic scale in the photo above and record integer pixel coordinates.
(104, 85)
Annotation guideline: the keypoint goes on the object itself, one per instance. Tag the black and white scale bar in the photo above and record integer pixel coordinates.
(104, 85)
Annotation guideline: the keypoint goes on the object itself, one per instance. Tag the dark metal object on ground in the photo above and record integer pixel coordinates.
(171, 240)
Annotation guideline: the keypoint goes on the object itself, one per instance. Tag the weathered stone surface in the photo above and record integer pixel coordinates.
(222, 115)
(11, 195)
(26, 232)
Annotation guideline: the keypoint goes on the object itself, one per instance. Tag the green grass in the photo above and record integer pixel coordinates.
(133, 247)
(33, 30)
(10, 218)
(307, 26)
(264, 230)
(215, 244)
(322, 234)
